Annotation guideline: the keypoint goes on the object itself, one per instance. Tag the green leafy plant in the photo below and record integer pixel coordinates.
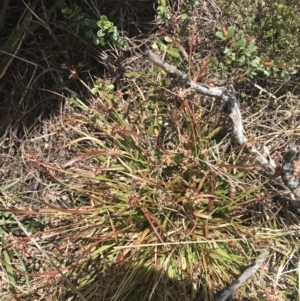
(274, 28)
(100, 88)
(241, 52)
(168, 46)
(163, 10)
(277, 25)
(106, 30)
(73, 14)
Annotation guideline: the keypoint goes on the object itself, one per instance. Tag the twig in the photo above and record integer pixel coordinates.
(172, 70)
(230, 292)
(288, 177)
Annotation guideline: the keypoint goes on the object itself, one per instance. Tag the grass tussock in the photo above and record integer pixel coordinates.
(135, 188)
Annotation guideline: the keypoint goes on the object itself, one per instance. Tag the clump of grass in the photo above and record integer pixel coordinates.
(152, 199)
(155, 210)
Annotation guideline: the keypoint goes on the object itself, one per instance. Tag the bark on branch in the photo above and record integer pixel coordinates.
(289, 176)
(172, 70)
(249, 272)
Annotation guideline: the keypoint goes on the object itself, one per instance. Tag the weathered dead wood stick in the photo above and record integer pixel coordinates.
(172, 70)
(235, 115)
(249, 272)
(228, 94)
(289, 177)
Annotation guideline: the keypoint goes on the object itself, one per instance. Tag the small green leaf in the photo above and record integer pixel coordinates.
(265, 59)
(284, 74)
(133, 74)
(226, 50)
(184, 16)
(108, 87)
(89, 33)
(220, 35)
(103, 18)
(115, 37)
(247, 53)
(222, 66)
(9, 185)
(291, 63)
(96, 40)
(232, 56)
(150, 130)
(174, 52)
(162, 46)
(94, 90)
(241, 59)
(9, 270)
(102, 42)
(279, 62)
(100, 33)
(152, 106)
(89, 22)
(241, 43)
(252, 46)
(231, 30)
(255, 62)
(168, 40)
(154, 46)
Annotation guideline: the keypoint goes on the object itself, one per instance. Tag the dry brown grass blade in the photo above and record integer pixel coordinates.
(90, 155)
(153, 220)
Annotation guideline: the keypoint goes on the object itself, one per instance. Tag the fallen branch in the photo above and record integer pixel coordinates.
(172, 70)
(289, 175)
(249, 272)
(227, 94)
(235, 115)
